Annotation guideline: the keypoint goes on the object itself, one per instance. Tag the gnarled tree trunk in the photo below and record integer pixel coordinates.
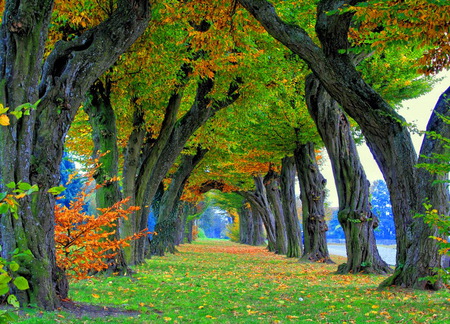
(312, 193)
(294, 235)
(355, 215)
(31, 147)
(272, 183)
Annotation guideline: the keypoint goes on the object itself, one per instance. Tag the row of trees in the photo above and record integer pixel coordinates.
(156, 106)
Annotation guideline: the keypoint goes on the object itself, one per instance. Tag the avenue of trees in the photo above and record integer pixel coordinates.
(236, 99)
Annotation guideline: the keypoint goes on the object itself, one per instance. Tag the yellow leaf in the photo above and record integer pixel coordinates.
(4, 120)
(95, 296)
(3, 109)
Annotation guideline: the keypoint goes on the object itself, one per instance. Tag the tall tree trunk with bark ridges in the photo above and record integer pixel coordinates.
(104, 135)
(312, 193)
(294, 235)
(272, 183)
(355, 215)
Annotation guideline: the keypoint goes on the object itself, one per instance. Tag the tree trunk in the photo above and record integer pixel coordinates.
(272, 184)
(294, 235)
(312, 193)
(167, 218)
(421, 246)
(131, 166)
(31, 147)
(385, 131)
(104, 135)
(355, 215)
(260, 206)
(245, 224)
(257, 232)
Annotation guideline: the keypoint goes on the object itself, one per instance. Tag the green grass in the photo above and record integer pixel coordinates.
(224, 282)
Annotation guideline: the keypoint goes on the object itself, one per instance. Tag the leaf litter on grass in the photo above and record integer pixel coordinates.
(217, 280)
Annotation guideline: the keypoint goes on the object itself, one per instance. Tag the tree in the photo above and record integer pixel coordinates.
(294, 236)
(381, 206)
(385, 131)
(168, 204)
(312, 193)
(32, 146)
(355, 215)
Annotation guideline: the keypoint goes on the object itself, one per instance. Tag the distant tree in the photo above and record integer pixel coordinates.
(335, 230)
(73, 185)
(214, 222)
(381, 206)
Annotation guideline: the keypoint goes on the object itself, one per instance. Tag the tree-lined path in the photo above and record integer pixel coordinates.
(212, 281)
(171, 107)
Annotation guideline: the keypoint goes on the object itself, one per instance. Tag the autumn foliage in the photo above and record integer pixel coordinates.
(85, 243)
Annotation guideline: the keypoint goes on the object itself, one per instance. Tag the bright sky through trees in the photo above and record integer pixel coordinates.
(415, 111)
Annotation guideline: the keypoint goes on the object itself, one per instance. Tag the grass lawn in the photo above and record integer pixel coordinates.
(217, 281)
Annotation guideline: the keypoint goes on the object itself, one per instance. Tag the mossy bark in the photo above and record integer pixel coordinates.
(31, 147)
(312, 193)
(104, 135)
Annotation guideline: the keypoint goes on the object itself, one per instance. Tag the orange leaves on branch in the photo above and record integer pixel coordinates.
(84, 243)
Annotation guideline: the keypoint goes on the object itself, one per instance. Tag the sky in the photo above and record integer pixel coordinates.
(415, 110)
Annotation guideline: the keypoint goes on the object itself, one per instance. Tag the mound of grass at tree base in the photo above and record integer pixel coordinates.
(224, 282)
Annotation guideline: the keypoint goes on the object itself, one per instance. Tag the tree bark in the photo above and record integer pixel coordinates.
(421, 246)
(312, 193)
(164, 241)
(245, 224)
(257, 233)
(31, 147)
(104, 135)
(385, 131)
(355, 215)
(294, 235)
(272, 184)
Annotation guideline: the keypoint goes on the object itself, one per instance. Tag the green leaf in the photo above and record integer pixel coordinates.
(26, 254)
(12, 300)
(11, 185)
(4, 278)
(3, 195)
(18, 114)
(21, 283)
(34, 188)
(24, 186)
(4, 208)
(14, 266)
(4, 289)
(56, 190)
